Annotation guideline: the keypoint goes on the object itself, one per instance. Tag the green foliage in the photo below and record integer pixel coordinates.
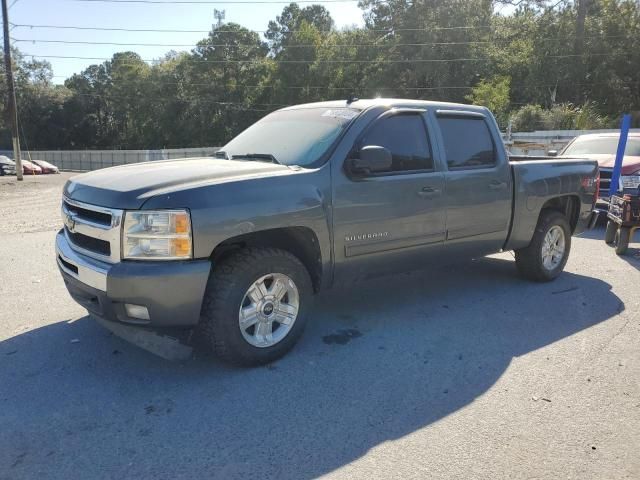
(494, 94)
(535, 65)
(528, 119)
(559, 117)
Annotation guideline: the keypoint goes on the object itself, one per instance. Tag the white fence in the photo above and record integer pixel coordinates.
(524, 143)
(85, 160)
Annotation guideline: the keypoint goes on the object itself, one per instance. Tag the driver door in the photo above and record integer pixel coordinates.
(391, 220)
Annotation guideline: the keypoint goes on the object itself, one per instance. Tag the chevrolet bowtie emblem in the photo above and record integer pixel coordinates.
(70, 222)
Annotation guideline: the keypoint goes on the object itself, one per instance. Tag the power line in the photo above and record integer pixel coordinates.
(162, 100)
(199, 98)
(211, 2)
(241, 45)
(156, 30)
(249, 45)
(351, 61)
(235, 86)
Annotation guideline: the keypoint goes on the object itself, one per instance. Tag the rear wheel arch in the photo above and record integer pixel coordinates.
(302, 242)
(568, 205)
(530, 260)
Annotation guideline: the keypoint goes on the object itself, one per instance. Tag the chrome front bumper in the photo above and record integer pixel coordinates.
(85, 269)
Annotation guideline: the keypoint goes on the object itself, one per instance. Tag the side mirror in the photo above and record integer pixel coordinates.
(372, 159)
(552, 153)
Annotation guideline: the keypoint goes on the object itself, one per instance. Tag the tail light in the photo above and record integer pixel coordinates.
(589, 182)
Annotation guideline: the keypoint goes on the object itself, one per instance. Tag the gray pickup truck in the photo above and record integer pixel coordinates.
(233, 248)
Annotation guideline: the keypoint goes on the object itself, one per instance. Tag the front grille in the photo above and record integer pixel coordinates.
(92, 230)
(101, 218)
(91, 244)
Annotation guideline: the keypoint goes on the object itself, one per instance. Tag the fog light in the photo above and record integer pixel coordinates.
(136, 311)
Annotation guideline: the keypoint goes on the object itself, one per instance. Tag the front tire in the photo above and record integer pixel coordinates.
(255, 306)
(547, 254)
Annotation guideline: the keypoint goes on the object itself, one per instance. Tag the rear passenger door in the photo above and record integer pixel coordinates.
(478, 183)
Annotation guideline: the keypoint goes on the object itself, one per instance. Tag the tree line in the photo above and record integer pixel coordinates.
(542, 65)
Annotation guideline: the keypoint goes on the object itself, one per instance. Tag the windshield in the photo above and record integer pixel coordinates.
(292, 137)
(602, 146)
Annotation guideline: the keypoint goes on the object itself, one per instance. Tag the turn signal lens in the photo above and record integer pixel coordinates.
(181, 247)
(182, 223)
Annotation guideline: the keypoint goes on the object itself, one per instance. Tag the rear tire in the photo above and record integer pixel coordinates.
(610, 232)
(621, 240)
(545, 258)
(232, 290)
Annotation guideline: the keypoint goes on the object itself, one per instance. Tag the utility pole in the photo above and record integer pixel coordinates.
(578, 49)
(12, 110)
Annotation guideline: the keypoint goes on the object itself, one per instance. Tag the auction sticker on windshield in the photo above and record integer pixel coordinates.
(347, 113)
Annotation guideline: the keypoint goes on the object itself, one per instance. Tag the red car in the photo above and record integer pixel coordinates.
(29, 168)
(46, 166)
(602, 147)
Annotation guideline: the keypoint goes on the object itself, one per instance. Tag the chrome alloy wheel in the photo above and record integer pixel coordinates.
(268, 310)
(553, 247)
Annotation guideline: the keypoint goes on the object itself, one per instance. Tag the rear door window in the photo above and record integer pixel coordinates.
(467, 142)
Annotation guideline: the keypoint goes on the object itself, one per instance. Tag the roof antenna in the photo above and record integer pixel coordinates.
(352, 98)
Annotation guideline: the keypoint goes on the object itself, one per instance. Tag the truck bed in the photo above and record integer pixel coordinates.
(537, 180)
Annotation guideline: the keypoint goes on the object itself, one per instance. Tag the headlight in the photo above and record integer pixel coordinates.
(630, 181)
(157, 235)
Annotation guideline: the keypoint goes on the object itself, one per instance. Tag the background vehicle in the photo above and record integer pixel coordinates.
(309, 197)
(602, 147)
(623, 221)
(7, 166)
(46, 167)
(29, 168)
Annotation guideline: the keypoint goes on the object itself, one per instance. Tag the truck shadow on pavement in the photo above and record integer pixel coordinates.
(377, 363)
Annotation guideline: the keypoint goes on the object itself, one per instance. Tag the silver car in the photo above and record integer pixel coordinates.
(7, 166)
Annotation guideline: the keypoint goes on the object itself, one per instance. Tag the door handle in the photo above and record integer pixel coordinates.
(429, 192)
(495, 185)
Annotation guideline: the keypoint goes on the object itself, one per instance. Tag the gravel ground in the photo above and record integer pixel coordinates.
(464, 372)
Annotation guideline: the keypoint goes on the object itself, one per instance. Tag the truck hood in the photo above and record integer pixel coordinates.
(630, 164)
(130, 186)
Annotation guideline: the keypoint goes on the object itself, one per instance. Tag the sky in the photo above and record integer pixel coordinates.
(132, 15)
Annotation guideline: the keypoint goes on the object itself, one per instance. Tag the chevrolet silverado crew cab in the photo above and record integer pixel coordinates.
(234, 247)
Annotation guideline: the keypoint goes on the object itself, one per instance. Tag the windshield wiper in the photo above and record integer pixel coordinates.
(257, 156)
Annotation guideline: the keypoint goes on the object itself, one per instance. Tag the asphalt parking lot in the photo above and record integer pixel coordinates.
(463, 372)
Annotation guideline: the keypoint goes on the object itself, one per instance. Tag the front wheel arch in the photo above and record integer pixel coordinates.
(301, 242)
